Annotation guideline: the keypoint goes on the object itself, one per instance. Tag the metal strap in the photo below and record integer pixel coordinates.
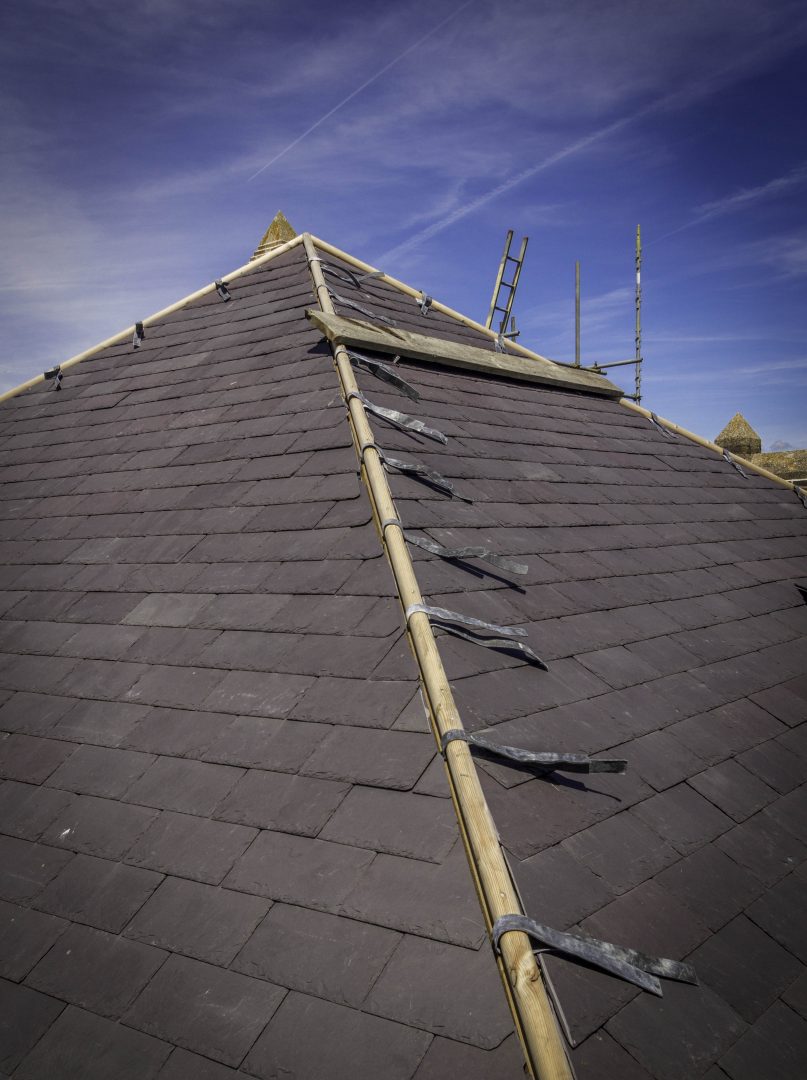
(399, 419)
(479, 632)
(654, 420)
(502, 561)
(635, 967)
(55, 373)
(544, 761)
(138, 335)
(390, 521)
(728, 457)
(424, 302)
(344, 273)
(371, 315)
(223, 289)
(499, 343)
(382, 372)
(801, 495)
(414, 468)
(366, 446)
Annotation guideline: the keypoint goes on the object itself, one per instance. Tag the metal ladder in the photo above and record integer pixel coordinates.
(504, 292)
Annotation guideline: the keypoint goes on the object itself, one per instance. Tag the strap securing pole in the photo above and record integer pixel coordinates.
(542, 761)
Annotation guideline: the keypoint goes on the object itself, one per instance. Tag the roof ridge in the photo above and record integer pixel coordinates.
(122, 335)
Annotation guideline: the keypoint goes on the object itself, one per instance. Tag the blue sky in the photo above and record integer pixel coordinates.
(147, 145)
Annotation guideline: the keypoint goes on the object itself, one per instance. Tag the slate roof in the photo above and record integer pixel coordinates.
(227, 847)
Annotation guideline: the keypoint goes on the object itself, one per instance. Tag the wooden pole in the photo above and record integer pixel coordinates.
(122, 335)
(534, 1019)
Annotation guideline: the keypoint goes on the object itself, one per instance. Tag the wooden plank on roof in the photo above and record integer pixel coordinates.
(386, 339)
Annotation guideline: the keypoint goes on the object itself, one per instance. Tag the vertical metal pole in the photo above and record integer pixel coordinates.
(638, 388)
(577, 314)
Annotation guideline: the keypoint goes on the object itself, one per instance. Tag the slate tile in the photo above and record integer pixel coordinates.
(241, 612)
(83, 1045)
(727, 730)
(796, 995)
(97, 770)
(449, 1060)
(98, 827)
(660, 759)
(183, 1065)
(780, 913)
(557, 890)
(619, 667)
(398, 823)
(600, 1055)
(102, 679)
(31, 759)
(25, 1016)
(102, 607)
(181, 687)
(355, 702)
(95, 970)
(782, 703)
(190, 787)
(775, 1046)
(679, 1035)
(26, 868)
(34, 714)
(734, 789)
(25, 937)
(192, 1004)
(622, 850)
(252, 650)
(198, 920)
(182, 644)
(712, 885)
(763, 846)
(27, 810)
(725, 960)
(100, 642)
(323, 955)
(298, 870)
(683, 818)
(419, 898)
(176, 732)
(168, 609)
(389, 759)
(771, 763)
(102, 723)
(349, 1044)
(97, 892)
(257, 693)
(264, 743)
(190, 847)
(790, 811)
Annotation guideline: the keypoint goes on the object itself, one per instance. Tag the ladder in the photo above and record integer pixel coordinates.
(504, 292)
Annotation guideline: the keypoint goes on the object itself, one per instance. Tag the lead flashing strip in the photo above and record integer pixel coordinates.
(526, 994)
(541, 761)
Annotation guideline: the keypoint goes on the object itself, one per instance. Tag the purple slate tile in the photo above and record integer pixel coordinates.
(733, 789)
(198, 920)
(257, 693)
(763, 846)
(601, 1056)
(449, 1060)
(355, 702)
(183, 1065)
(679, 1035)
(264, 743)
(557, 890)
(191, 1004)
(660, 759)
(31, 759)
(775, 1046)
(711, 884)
(100, 642)
(25, 1017)
(398, 823)
(97, 892)
(183, 645)
(190, 787)
(98, 827)
(329, 957)
(97, 770)
(81, 1044)
(180, 687)
(176, 732)
(724, 961)
(26, 868)
(104, 679)
(96, 971)
(25, 937)
(388, 759)
(780, 913)
(167, 609)
(33, 713)
(27, 810)
(771, 762)
(349, 1044)
(683, 818)
(102, 723)
(192, 847)
(273, 800)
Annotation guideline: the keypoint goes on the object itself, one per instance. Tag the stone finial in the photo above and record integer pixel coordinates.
(739, 437)
(278, 233)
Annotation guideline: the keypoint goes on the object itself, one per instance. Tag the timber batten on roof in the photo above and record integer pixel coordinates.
(206, 680)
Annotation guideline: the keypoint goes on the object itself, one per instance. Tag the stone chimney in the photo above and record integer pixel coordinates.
(738, 437)
(278, 233)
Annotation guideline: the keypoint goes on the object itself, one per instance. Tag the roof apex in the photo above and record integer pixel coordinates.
(739, 437)
(278, 233)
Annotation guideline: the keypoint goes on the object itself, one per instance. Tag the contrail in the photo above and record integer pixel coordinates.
(358, 90)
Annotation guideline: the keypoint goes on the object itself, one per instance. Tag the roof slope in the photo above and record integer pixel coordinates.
(220, 787)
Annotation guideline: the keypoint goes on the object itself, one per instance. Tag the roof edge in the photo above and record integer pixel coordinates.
(709, 445)
(151, 319)
(519, 350)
